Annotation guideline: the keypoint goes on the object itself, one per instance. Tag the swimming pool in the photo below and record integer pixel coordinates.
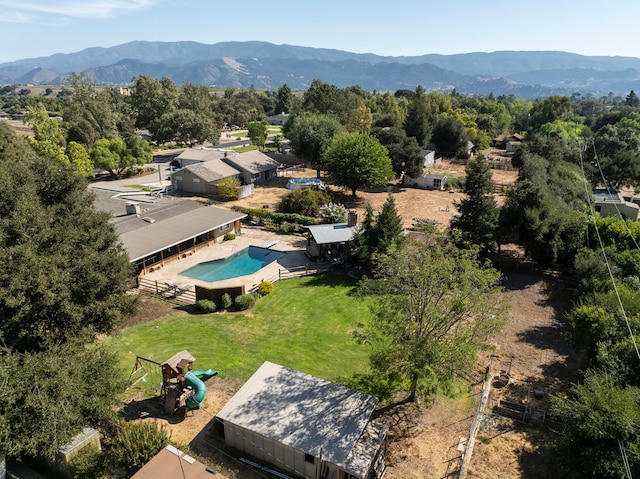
(241, 263)
(295, 183)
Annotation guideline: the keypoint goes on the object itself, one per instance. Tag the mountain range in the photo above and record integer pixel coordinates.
(263, 65)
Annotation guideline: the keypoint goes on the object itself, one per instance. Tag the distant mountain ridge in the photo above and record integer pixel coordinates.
(265, 65)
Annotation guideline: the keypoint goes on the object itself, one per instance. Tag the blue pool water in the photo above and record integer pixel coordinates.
(242, 263)
(295, 183)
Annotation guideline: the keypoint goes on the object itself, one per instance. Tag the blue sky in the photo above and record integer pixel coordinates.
(34, 28)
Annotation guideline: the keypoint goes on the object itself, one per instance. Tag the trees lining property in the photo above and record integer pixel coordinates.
(435, 306)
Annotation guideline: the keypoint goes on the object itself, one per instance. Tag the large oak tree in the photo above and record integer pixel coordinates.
(356, 160)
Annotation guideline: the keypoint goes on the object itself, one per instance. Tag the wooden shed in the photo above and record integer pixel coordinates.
(304, 426)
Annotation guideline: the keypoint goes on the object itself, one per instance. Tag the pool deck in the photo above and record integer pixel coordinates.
(293, 245)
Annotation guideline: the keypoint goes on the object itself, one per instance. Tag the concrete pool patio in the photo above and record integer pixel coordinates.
(294, 260)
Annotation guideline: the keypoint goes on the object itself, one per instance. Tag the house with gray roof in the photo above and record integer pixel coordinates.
(256, 167)
(202, 169)
(610, 202)
(202, 178)
(175, 230)
(304, 426)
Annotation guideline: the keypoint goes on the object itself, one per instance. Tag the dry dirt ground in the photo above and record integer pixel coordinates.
(410, 202)
(424, 438)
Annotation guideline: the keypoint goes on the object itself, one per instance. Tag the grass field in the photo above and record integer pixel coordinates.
(305, 324)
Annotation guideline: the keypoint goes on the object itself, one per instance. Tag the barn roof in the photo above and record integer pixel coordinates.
(306, 413)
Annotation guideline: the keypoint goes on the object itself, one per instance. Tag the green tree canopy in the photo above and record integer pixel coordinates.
(417, 122)
(354, 160)
(257, 131)
(47, 397)
(151, 99)
(479, 212)
(49, 142)
(435, 307)
(388, 229)
(450, 137)
(64, 270)
(90, 113)
(115, 155)
(284, 101)
(310, 135)
(600, 418)
(404, 151)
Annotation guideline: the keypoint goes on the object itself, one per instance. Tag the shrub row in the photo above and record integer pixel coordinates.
(241, 302)
(277, 218)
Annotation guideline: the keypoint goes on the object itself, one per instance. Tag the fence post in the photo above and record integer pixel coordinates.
(157, 290)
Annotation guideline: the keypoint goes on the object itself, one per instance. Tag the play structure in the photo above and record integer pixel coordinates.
(182, 386)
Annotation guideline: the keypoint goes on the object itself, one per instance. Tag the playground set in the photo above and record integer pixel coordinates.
(182, 386)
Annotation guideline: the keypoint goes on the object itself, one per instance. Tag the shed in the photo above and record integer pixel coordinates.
(427, 181)
(171, 463)
(329, 239)
(304, 426)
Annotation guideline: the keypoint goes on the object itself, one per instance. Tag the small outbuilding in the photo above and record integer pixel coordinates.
(427, 181)
(303, 426)
(172, 463)
(612, 203)
(329, 240)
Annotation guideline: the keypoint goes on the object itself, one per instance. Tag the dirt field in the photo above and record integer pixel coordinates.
(424, 438)
(410, 202)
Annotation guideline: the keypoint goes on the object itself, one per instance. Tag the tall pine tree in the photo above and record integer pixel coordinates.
(416, 123)
(478, 210)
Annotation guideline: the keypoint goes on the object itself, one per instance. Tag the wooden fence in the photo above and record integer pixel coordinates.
(180, 294)
(524, 413)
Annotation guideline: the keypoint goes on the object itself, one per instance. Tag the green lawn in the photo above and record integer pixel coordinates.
(305, 324)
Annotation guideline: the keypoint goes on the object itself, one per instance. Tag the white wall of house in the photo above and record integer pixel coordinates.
(427, 182)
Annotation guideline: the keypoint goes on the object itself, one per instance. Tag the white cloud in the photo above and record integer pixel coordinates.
(16, 17)
(24, 11)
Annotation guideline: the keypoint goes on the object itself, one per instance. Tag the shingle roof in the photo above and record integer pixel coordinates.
(151, 237)
(200, 154)
(211, 170)
(253, 161)
(304, 412)
(170, 463)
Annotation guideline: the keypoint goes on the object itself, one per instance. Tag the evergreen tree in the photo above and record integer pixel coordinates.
(632, 99)
(285, 99)
(388, 229)
(64, 271)
(479, 211)
(363, 243)
(416, 123)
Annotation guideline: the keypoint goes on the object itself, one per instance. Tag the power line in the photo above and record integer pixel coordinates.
(606, 259)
